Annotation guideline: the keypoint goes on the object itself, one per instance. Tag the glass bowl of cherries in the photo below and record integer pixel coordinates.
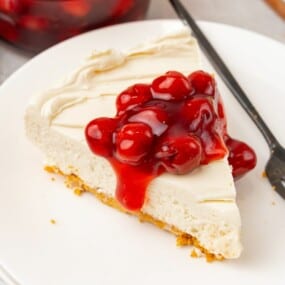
(37, 24)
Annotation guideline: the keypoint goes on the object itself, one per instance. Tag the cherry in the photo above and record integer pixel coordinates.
(179, 155)
(76, 8)
(241, 156)
(99, 135)
(8, 31)
(133, 96)
(175, 74)
(220, 110)
(153, 116)
(11, 6)
(122, 7)
(213, 146)
(133, 141)
(198, 113)
(171, 86)
(202, 82)
(35, 23)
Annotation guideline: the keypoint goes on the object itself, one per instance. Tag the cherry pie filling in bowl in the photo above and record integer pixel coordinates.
(38, 24)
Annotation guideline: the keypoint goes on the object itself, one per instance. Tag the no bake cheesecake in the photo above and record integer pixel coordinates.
(148, 141)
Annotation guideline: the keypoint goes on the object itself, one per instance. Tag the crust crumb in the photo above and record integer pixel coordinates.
(52, 169)
(273, 203)
(71, 181)
(78, 191)
(146, 218)
(210, 258)
(263, 174)
(49, 169)
(194, 253)
(184, 240)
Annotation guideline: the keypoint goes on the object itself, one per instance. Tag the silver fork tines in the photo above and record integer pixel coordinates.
(275, 170)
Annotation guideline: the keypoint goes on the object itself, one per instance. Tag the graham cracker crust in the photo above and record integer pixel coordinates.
(74, 182)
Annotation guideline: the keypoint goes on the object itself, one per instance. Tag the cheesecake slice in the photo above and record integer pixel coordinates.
(198, 206)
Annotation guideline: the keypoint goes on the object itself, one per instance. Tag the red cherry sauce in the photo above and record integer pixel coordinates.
(175, 124)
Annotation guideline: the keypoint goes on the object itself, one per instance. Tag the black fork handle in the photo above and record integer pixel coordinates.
(225, 73)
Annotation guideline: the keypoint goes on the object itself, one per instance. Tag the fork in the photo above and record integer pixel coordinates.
(275, 166)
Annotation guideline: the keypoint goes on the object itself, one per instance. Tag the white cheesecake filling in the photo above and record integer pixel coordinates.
(201, 203)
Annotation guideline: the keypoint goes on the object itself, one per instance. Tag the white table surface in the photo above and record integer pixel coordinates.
(254, 15)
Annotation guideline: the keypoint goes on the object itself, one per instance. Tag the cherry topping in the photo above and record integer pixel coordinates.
(179, 155)
(153, 116)
(133, 96)
(213, 145)
(242, 158)
(172, 125)
(171, 86)
(198, 113)
(202, 82)
(133, 142)
(131, 185)
(99, 135)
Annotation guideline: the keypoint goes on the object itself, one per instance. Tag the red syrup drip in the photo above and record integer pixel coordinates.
(175, 124)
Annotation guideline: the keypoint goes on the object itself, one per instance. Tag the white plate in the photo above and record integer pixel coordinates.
(94, 244)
